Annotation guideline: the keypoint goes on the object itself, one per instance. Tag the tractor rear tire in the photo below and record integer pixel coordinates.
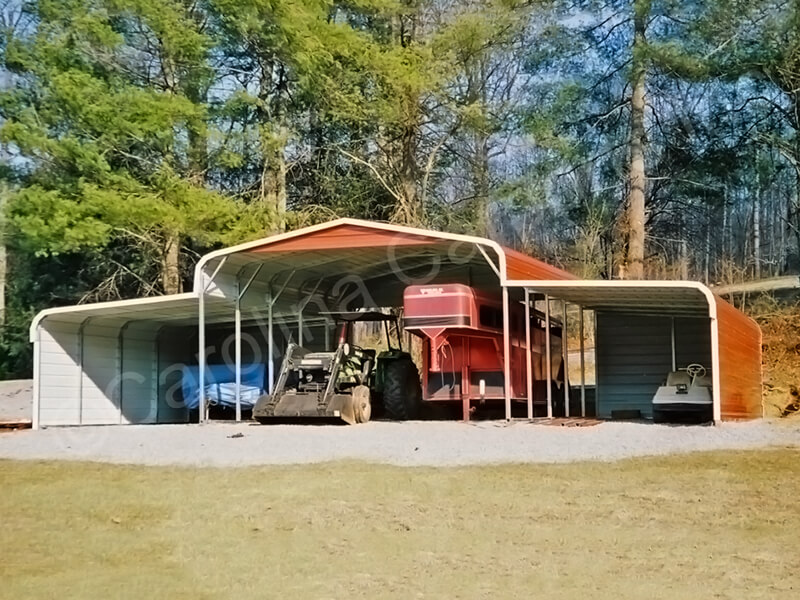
(402, 392)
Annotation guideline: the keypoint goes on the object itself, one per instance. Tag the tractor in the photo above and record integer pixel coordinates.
(346, 383)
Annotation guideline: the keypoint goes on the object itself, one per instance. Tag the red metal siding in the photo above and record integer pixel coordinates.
(520, 266)
(739, 364)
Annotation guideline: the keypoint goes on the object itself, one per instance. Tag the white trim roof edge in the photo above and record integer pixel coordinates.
(454, 237)
(76, 308)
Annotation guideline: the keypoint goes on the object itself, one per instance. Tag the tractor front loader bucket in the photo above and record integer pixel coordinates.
(299, 405)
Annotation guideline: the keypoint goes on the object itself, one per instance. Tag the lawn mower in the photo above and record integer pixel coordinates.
(685, 397)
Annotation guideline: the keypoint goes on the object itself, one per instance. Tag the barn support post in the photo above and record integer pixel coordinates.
(81, 327)
(237, 335)
(37, 359)
(300, 326)
(565, 357)
(506, 353)
(121, 352)
(716, 394)
(548, 357)
(201, 359)
(270, 346)
(583, 362)
(528, 353)
(241, 290)
(271, 300)
(202, 412)
(672, 340)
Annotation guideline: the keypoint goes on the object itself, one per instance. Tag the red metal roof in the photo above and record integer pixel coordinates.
(348, 234)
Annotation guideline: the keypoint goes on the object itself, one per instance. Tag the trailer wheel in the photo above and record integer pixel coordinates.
(402, 392)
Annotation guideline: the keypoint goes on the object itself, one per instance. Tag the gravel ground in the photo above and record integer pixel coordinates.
(408, 444)
(16, 396)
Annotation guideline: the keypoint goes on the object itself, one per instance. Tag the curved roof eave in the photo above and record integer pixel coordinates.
(101, 308)
(627, 285)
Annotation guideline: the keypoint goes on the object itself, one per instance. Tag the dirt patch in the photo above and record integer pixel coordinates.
(781, 355)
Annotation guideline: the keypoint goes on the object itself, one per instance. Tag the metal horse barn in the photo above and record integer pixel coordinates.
(131, 361)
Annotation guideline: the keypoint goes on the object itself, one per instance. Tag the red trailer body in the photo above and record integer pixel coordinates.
(462, 353)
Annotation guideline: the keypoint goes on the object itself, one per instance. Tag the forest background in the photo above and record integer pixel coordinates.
(617, 139)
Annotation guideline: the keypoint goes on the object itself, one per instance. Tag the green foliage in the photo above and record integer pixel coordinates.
(129, 125)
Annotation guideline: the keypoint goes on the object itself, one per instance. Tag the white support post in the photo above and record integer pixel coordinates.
(565, 352)
(237, 333)
(80, 369)
(202, 412)
(583, 365)
(300, 327)
(37, 359)
(506, 353)
(548, 357)
(201, 359)
(595, 339)
(121, 372)
(270, 345)
(528, 353)
(672, 338)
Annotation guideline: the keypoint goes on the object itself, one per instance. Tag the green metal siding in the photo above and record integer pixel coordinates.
(634, 355)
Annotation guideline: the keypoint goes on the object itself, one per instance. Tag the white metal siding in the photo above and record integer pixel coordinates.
(59, 375)
(100, 383)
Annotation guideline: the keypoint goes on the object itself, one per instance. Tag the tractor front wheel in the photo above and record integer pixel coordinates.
(402, 392)
(362, 408)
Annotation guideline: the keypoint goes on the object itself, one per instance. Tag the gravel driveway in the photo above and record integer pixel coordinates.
(408, 444)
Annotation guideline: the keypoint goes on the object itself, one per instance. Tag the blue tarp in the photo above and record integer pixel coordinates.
(220, 384)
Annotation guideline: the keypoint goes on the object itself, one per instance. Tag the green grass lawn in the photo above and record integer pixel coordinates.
(701, 526)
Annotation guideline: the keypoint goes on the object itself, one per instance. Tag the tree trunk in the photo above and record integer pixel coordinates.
(274, 132)
(408, 210)
(637, 179)
(757, 225)
(480, 186)
(170, 265)
(273, 177)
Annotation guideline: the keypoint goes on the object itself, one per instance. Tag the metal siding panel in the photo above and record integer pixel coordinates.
(740, 364)
(58, 375)
(693, 342)
(138, 403)
(50, 417)
(634, 354)
(172, 355)
(100, 377)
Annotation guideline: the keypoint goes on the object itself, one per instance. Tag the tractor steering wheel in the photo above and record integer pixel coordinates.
(695, 370)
